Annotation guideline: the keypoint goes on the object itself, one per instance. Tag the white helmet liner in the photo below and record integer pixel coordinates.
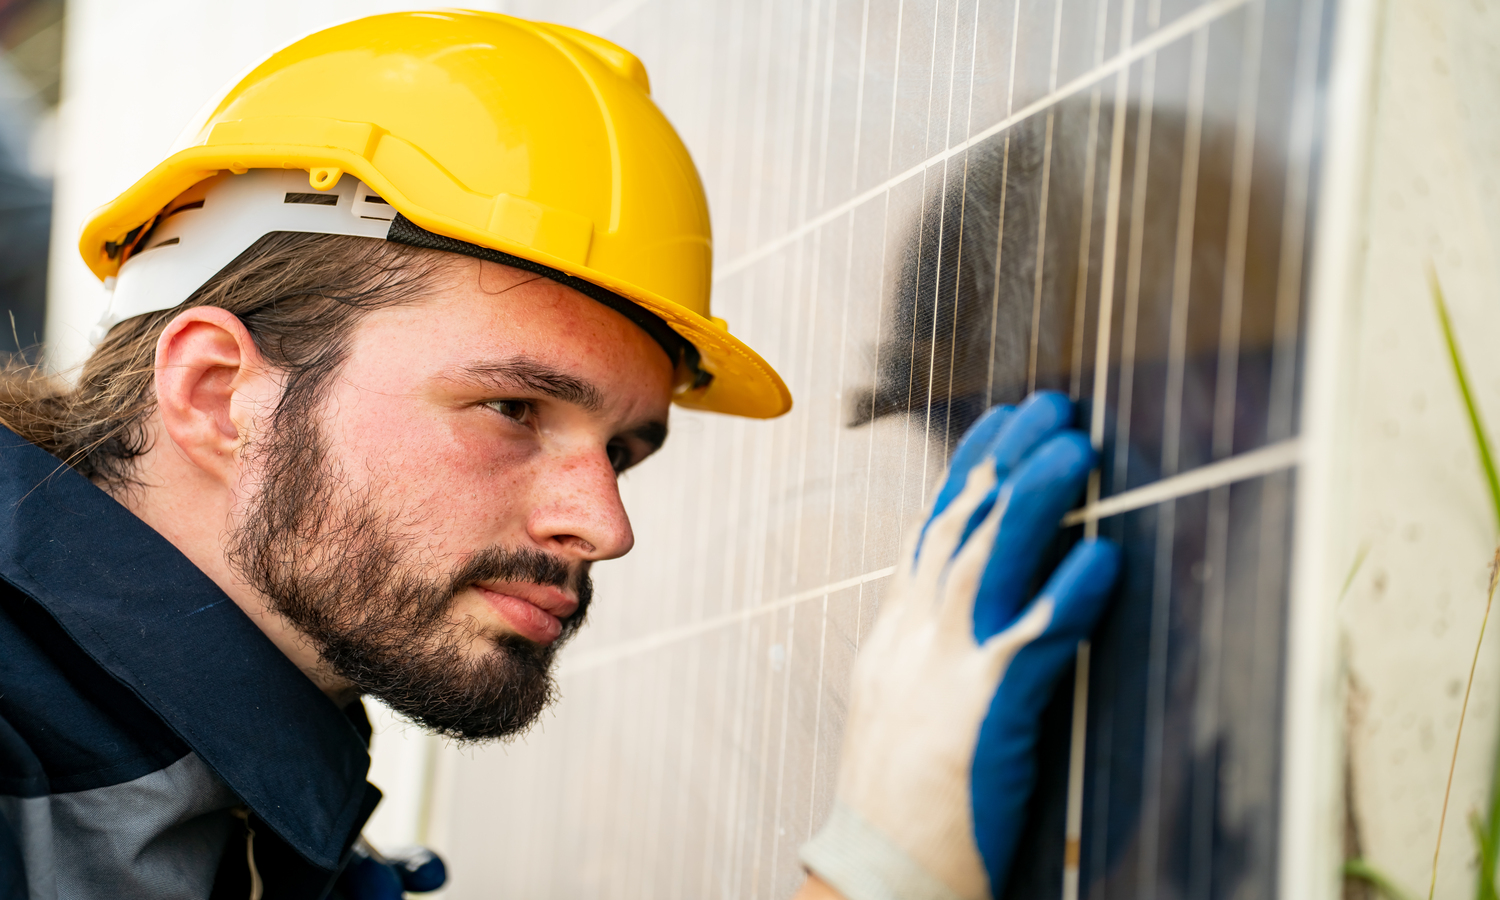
(194, 241)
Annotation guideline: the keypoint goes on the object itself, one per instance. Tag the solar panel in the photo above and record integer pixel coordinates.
(924, 209)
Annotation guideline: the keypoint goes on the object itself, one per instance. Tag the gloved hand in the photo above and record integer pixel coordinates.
(938, 748)
(372, 876)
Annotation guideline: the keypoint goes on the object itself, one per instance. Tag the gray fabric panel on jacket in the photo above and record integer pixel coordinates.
(159, 836)
(32, 820)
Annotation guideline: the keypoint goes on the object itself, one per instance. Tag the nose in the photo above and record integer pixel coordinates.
(577, 511)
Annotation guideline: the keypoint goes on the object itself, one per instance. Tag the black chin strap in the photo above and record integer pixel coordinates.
(679, 350)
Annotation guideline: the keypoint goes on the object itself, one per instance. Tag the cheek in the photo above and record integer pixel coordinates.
(455, 475)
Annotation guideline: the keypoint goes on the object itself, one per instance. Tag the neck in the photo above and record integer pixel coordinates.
(197, 515)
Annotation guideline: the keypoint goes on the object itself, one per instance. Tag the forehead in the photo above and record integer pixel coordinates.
(479, 313)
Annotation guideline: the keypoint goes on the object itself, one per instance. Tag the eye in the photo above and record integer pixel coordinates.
(516, 410)
(620, 457)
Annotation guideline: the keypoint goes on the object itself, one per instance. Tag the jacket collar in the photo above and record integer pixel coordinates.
(154, 621)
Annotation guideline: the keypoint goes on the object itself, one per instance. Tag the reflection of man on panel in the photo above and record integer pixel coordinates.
(383, 333)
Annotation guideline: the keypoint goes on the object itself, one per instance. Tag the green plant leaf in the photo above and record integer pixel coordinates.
(1358, 868)
(1489, 833)
(1481, 440)
(1359, 561)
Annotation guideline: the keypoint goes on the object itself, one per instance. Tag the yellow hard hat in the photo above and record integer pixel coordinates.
(531, 144)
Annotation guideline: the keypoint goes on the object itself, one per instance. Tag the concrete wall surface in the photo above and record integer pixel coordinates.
(1417, 529)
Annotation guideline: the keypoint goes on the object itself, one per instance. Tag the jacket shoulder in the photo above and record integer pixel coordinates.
(65, 723)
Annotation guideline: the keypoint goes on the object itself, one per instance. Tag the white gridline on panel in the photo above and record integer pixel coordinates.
(744, 825)
(1151, 775)
(1244, 467)
(1271, 457)
(611, 15)
(1207, 702)
(810, 824)
(1078, 745)
(934, 57)
(814, 284)
(767, 707)
(937, 276)
(1184, 26)
(1104, 334)
(837, 434)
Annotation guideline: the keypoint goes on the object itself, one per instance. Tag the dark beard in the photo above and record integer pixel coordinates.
(336, 567)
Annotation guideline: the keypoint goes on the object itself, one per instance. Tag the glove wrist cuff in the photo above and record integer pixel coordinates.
(859, 862)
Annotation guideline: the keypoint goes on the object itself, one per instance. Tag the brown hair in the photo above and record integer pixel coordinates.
(299, 296)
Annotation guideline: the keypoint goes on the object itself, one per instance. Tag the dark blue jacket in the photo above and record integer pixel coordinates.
(146, 724)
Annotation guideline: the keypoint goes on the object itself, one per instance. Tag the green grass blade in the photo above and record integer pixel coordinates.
(1358, 868)
(1489, 846)
(1359, 561)
(1481, 441)
(1489, 832)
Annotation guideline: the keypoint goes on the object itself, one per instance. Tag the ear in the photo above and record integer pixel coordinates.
(210, 382)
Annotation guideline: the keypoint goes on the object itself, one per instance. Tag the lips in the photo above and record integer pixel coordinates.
(533, 611)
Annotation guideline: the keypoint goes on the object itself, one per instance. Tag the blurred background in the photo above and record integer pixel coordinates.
(1207, 220)
(31, 36)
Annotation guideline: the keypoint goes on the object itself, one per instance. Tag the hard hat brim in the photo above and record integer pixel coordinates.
(744, 384)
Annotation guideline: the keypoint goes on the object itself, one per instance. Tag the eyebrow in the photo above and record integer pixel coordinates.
(529, 374)
(541, 378)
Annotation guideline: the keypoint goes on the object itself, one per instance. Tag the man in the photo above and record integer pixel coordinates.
(383, 333)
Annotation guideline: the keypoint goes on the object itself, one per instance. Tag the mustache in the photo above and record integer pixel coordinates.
(528, 565)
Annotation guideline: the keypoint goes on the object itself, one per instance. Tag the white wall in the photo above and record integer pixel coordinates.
(133, 75)
(1415, 502)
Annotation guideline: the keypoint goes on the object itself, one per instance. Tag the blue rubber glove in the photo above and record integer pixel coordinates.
(948, 690)
(373, 876)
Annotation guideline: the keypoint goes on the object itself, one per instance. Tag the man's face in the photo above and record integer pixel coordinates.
(430, 521)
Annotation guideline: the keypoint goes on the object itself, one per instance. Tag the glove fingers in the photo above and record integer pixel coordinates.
(974, 447)
(1080, 587)
(1033, 500)
(961, 582)
(1035, 422)
(947, 529)
(972, 454)
(1004, 766)
(1004, 437)
(1069, 605)
(1040, 416)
